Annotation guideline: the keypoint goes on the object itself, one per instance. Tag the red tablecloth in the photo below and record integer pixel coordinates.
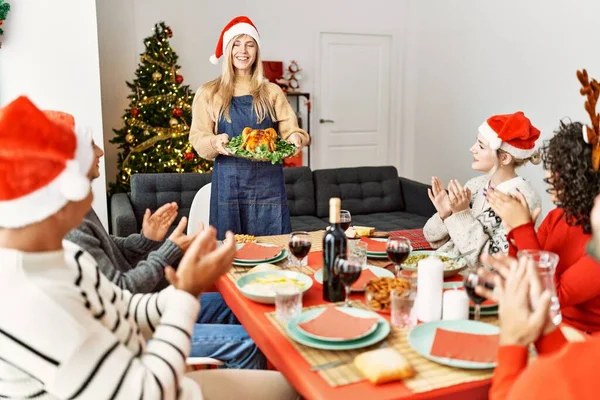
(309, 384)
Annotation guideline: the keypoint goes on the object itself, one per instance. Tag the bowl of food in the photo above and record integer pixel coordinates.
(452, 266)
(262, 286)
(239, 238)
(378, 290)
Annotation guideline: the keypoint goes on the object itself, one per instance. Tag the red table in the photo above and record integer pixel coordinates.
(309, 384)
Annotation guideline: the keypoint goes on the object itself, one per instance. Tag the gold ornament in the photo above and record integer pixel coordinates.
(129, 138)
(146, 132)
(173, 122)
(157, 76)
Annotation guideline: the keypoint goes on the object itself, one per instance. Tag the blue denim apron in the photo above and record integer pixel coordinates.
(247, 197)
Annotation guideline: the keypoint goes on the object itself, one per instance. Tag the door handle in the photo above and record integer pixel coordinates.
(323, 121)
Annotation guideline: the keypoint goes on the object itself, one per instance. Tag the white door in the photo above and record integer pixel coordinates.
(354, 102)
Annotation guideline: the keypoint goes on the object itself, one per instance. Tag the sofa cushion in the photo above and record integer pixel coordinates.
(391, 221)
(153, 190)
(363, 190)
(300, 191)
(307, 223)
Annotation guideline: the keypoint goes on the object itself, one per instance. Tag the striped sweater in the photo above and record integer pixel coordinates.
(67, 332)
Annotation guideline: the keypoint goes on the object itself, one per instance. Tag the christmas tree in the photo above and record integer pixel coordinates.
(154, 137)
(4, 9)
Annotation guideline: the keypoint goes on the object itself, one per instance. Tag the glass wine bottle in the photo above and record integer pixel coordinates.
(334, 246)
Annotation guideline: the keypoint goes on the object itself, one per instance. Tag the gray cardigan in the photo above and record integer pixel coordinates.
(134, 263)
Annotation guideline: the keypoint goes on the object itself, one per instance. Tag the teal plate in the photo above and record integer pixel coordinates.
(281, 256)
(240, 245)
(422, 336)
(380, 333)
(377, 255)
(269, 298)
(378, 271)
(355, 312)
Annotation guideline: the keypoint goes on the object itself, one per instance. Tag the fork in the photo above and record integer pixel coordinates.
(333, 364)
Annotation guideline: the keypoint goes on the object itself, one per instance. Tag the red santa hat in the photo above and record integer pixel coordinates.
(238, 26)
(44, 163)
(512, 133)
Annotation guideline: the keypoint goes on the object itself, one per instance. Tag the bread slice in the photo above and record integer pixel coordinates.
(383, 365)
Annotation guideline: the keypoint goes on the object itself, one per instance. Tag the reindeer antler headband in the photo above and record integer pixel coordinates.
(591, 135)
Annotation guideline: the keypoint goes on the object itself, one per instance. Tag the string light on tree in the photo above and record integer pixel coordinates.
(154, 136)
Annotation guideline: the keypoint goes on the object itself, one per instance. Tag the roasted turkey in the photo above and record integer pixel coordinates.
(253, 138)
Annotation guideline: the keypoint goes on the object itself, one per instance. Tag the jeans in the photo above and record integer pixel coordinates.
(218, 334)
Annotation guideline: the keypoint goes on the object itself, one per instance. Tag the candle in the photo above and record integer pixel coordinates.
(430, 284)
(455, 305)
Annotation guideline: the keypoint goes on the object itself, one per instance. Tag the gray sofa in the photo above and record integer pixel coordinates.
(375, 196)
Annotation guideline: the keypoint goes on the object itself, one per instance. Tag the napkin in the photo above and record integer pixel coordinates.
(336, 324)
(253, 251)
(365, 276)
(465, 346)
(374, 246)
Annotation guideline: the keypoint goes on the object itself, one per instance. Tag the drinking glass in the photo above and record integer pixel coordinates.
(470, 283)
(402, 308)
(345, 219)
(357, 251)
(288, 302)
(348, 272)
(398, 249)
(299, 245)
(546, 263)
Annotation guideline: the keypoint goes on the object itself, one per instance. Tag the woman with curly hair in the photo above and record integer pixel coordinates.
(566, 230)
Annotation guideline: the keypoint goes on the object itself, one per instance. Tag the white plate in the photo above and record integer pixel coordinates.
(270, 298)
(378, 271)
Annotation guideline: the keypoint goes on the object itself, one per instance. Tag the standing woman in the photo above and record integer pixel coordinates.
(247, 197)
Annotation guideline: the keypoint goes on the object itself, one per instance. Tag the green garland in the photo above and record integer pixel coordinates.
(4, 8)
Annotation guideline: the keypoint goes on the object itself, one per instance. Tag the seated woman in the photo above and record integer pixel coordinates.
(566, 229)
(465, 223)
(572, 370)
(66, 331)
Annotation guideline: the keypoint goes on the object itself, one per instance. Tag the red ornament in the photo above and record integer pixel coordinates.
(189, 156)
(169, 32)
(177, 112)
(178, 78)
(135, 112)
(1, 22)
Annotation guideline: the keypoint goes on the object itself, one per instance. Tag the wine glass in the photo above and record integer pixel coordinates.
(345, 219)
(470, 283)
(299, 244)
(398, 249)
(348, 271)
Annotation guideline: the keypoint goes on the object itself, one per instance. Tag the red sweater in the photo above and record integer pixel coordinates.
(577, 275)
(562, 371)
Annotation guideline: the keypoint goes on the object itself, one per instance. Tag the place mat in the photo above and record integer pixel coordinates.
(416, 237)
(316, 238)
(429, 375)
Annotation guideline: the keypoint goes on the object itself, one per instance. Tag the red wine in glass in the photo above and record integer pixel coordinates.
(299, 248)
(398, 255)
(345, 225)
(348, 273)
(470, 283)
(345, 219)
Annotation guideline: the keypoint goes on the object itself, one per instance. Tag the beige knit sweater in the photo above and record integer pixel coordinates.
(479, 227)
(205, 114)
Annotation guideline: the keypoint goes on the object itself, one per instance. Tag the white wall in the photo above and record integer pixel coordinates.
(470, 59)
(50, 53)
(289, 31)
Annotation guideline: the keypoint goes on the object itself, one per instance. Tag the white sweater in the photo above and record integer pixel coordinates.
(478, 227)
(68, 332)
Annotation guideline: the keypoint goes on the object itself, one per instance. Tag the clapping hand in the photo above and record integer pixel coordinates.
(439, 198)
(179, 237)
(460, 198)
(203, 263)
(155, 226)
(513, 210)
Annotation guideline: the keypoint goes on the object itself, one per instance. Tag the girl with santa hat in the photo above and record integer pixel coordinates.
(465, 223)
(246, 196)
